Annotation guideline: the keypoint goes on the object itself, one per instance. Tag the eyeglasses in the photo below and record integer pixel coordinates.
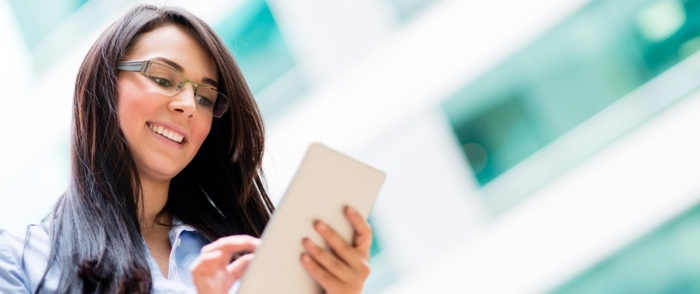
(170, 82)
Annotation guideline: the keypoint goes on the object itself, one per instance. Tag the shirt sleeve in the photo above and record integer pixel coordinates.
(12, 277)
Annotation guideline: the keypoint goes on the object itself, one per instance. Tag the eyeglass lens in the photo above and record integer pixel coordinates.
(171, 82)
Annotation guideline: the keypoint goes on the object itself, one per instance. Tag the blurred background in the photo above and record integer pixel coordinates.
(538, 146)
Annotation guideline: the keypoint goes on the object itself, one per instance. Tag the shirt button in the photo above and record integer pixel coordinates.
(178, 242)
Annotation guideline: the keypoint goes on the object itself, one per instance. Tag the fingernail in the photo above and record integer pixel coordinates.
(350, 210)
(321, 226)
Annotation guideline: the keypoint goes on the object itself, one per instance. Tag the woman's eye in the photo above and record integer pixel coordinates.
(205, 102)
(165, 83)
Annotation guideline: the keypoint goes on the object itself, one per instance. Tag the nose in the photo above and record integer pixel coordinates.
(183, 102)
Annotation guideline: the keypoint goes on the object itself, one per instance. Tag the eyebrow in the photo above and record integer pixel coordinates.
(176, 66)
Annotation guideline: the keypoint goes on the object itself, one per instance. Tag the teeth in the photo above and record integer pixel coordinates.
(167, 133)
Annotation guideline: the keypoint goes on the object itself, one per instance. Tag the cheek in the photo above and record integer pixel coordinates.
(201, 131)
(129, 108)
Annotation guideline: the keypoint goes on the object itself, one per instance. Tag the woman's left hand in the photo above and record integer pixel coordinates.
(345, 269)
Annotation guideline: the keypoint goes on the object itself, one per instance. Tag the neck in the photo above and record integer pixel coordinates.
(155, 229)
(154, 197)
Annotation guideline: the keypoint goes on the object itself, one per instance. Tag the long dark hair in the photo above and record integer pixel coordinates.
(94, 226)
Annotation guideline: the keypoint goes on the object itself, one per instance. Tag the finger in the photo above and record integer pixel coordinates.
(328, 260)
(208, 262)
(340, 247)
(363, 231)
(319, 274)
(238, 267)
(233, 244)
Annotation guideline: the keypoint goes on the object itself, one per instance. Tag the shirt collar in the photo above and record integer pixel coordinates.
(178, 226)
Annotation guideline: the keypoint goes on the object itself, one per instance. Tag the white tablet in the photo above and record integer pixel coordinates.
(325, 182)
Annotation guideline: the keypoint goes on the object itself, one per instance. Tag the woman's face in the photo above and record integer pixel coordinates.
(153, 122)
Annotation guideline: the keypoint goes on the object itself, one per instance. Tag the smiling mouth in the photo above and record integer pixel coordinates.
(167, 133)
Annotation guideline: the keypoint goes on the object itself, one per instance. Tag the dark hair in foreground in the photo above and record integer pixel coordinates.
(95, 224)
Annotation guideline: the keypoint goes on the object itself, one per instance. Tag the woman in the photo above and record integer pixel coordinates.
(166, 152)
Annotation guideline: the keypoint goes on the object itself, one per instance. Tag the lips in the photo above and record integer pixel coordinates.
(167, 133)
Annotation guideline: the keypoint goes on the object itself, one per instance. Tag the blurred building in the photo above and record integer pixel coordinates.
(536, 146)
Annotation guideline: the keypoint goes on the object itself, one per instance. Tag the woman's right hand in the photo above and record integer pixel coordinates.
(213, 272)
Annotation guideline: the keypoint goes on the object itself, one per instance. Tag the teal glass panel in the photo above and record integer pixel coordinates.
(406, 9)
(665, 261)
(254, 38)
(376, 245)
(37, 18)
(581, 66)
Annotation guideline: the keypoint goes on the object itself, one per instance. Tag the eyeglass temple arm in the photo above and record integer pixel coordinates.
(137, 66)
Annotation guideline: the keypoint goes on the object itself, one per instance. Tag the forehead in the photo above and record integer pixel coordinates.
(175, 43)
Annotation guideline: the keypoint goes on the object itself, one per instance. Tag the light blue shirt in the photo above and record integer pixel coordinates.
(23, 277)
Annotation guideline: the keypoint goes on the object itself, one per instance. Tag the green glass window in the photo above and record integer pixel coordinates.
(376, 245)
(665, 261)
(254, 38)
(405, 9)
(36, 23)
(581, 66)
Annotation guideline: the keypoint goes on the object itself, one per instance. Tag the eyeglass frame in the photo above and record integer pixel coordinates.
(142, 66)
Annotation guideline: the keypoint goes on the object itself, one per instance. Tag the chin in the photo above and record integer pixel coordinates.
(160, 174)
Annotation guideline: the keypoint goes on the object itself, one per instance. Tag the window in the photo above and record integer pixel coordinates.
(665, 261)
(583, 65)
